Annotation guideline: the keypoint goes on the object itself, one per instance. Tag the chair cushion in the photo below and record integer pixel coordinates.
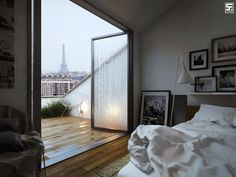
(9, 124)
(10, 142)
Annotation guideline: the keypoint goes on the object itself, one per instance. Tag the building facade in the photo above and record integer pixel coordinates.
(56, 85)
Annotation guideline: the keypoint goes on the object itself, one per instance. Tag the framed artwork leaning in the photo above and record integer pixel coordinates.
(224, 49)
(154, 107)
(198, 59)
(226, 78)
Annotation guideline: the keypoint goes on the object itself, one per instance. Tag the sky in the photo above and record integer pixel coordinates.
(64, 22)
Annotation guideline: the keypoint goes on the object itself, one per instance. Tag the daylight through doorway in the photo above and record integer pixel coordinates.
(67, 95)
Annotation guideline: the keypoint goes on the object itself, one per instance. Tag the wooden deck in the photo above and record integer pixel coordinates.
(68, 136)
(86, 164)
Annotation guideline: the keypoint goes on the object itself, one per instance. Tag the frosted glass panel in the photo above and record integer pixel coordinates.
(110, 82)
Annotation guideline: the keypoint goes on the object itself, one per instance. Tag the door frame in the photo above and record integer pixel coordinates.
(34, 58)
(129, 85)
(34, 63)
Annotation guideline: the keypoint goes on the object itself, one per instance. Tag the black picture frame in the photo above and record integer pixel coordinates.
(7, 48)
(201, 84)
(226, 78)
(198, 59)
(224, 49)
(154, 107)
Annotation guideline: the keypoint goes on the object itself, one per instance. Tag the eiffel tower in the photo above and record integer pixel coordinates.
(64, 67)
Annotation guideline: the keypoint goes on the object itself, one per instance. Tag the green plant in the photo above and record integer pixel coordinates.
(55, 109)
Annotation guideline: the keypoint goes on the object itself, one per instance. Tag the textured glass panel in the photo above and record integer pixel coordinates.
(110, 82)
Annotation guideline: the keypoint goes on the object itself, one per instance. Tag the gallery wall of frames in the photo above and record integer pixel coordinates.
(223, 77)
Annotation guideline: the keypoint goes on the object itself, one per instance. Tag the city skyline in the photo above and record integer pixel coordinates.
(74, 28)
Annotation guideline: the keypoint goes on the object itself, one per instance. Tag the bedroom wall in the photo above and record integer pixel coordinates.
(16, 97)
(189, 26)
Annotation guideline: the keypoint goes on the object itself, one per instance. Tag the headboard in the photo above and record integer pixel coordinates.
(191, 110)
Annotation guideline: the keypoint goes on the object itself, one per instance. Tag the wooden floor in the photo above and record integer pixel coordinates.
(67, 136)
(86, 164)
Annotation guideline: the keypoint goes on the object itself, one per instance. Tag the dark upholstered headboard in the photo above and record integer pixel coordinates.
(190, 112)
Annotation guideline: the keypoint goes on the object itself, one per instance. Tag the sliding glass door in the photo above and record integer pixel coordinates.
(110, 61)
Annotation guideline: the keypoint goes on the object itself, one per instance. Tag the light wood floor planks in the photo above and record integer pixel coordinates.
(67, 136)
(86, 164)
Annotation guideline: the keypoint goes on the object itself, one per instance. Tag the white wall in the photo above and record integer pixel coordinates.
(17, 97)
(80, 93)
(189, 26)
(46, 100)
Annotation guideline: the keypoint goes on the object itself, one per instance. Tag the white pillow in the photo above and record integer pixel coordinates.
(218, 114)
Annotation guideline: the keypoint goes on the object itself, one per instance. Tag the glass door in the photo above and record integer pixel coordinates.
(110, 58)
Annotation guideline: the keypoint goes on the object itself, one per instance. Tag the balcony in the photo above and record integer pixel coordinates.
(68, 136)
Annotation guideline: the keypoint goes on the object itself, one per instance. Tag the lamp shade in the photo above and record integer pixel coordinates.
(184, 77)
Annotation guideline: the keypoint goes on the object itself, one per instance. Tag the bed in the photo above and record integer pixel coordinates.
(204, 146)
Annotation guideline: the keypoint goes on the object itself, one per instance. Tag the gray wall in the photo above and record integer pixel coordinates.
(189, 26)
(17, 97)
(137, 78)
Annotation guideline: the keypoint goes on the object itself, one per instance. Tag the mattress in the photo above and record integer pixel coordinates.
(131, 171)
(195, 154)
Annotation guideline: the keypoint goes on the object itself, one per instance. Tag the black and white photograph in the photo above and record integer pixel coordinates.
(205, 84)
(6, 74)
(198, 59)
(7, 15)
(224, 49)
(7, 3)
(154, 107)
(7, 43)
(226, 78)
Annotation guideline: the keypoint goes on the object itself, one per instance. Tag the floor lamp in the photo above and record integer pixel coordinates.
(183, 78)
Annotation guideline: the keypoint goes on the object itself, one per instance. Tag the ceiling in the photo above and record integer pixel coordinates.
(136, 14)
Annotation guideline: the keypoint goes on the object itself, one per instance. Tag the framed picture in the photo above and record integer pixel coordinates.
(198, 59)
(226, 79)
(7, 36)
(6, 73)
(205, 84)
(224, 49)
(154, 107)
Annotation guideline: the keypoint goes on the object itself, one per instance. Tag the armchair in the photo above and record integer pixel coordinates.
(15, 125)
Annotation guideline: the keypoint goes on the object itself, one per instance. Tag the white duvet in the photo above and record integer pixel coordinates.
(192, 149)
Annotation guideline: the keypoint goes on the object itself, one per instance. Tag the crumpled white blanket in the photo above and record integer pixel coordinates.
(184, 151)
(24, 163)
